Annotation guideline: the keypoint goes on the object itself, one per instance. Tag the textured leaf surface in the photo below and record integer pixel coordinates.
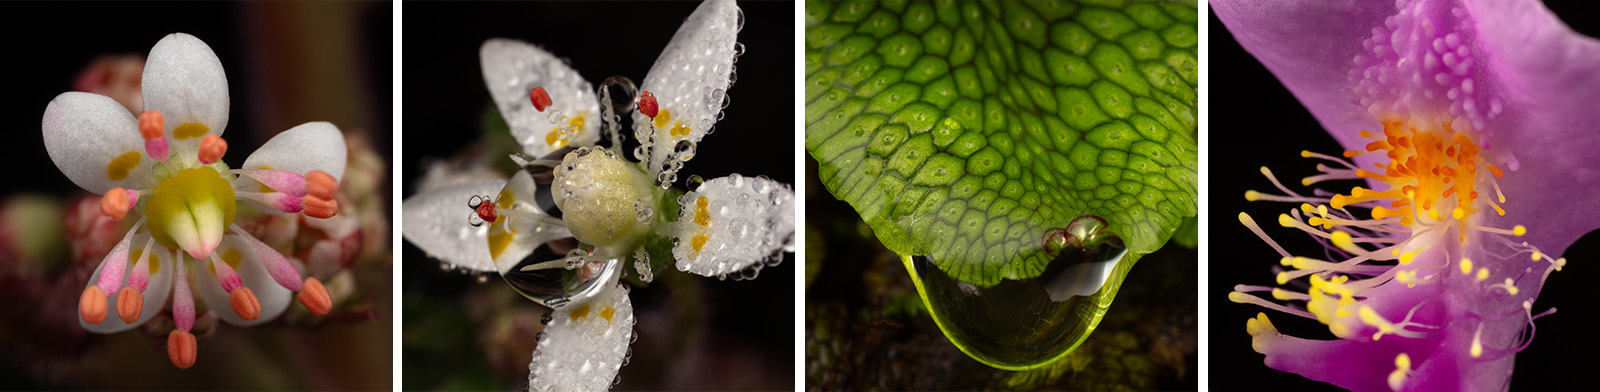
(966, 130)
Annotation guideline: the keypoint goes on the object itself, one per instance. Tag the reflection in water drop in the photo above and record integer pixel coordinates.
(551, 284)
(1020, 324)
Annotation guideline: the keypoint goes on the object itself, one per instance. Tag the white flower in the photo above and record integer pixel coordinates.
(166, 164)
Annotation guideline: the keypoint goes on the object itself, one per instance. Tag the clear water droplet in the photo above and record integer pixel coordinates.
(544, 319)
(694, 182)
(738, 24)
(738, 48)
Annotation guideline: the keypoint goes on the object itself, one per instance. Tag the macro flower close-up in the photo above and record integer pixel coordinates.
(1463, 176)
(176, 201)
(582, 199)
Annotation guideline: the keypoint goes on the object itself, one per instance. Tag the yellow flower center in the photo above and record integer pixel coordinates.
(191, 211)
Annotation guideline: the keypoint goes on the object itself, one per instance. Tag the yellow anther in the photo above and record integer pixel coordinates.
(1466, 266)
(1305, 153)
(1283, 277)
(1483, 273)
(1459, 213)
(1477, 343)
(1287, 261)
(1280, 294)
(1405, 258)
(1285, 221)
(1402, 368)
(1343, 240)
(1238, 297)
(1537, 255)
(1252, 195)
(1519, 230)
(1511, 286)
(1561, 262)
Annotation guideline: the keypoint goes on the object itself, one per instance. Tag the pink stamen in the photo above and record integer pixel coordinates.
(140, 278)
(211, 148)
(182, 300)
(285, 181)
(116, 266)
(225, 274)
(153, 128)
(157, 148)
(279, 201)
(279, 267)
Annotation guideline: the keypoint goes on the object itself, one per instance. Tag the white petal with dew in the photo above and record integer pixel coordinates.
(436, 221)
(184, 80)
(306, 147)
(155, 294)
(748, 221)
(584, 353)
(84, 132)
(691, 77)
(273, 297)
(511, 69)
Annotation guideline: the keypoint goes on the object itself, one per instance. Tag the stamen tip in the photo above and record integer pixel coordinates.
(130, 304)
(92, 306)
(315, 296)
(181, 349)
(245, 304)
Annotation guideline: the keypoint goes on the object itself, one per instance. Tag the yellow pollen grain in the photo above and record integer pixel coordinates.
(679, 130)
(1483, 273)
(120, 167)
(578, 313)
(1537, 255)
(1466, 266)
(1519, 230)
(702, 217)
(189, 130)
(662, 117)
(1459, 213)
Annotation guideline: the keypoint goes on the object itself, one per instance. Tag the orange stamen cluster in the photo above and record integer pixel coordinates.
(319, 201)
(211, 148)
(1432, 173)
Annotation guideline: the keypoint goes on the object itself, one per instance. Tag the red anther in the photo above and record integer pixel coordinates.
(115, 203)
(315, 296)
(321, 185)
(130, 304)
(320, 208)
(211, 148)
(151, 125)
(181, 348)
(92, 306)
(245, 304)
(486, 211)
(540, 98)
(647, 104)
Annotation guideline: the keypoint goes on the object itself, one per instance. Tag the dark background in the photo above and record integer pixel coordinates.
(1559, 356)
(445, 101)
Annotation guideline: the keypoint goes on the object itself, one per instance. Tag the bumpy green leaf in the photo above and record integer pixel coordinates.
(966, 130)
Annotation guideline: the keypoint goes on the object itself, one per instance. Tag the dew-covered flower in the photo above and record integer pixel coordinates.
(165, 166)
(619, 209)
(1471, 124)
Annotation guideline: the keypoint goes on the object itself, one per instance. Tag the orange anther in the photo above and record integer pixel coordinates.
(129, 304)
(181, 348)
(647, 104)
(315, 296)
(211, 148)
(320, 208)
(321, 185)
(1496, 171)
(115, 203)
(151, 125)
(92, 306)
(245, 303)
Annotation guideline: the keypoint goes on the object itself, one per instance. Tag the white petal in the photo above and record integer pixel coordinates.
(273, 297)
(84, 133)
(155, 294)
(436, 222)
(306, 147)
(584, 353)
(513, 68)
(749, 221)
(184, 80)
(691, 78)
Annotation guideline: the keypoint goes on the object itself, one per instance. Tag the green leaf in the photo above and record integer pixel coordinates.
(965, 131)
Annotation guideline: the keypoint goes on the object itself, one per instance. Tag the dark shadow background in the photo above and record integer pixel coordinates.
(1557, 359)
(444, 107)
(276, 57)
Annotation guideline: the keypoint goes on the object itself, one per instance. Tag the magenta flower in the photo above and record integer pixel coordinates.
(1462, 117)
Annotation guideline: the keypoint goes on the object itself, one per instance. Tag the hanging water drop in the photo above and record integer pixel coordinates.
(693, 183)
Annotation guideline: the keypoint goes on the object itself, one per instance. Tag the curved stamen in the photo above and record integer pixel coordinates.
(277, 200)
(182, 298)
(277, 266)
(153, 129)
(285, 181)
